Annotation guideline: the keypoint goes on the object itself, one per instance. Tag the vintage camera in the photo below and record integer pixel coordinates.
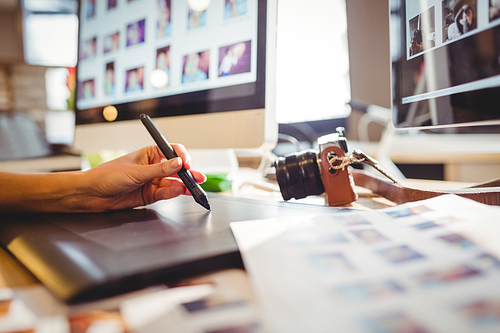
(313, 172)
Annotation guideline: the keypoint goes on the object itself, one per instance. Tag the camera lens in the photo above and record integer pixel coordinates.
(298, 175)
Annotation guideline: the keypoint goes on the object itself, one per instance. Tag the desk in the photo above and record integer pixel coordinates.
(230, 287)
(230, 284)
(43, 164)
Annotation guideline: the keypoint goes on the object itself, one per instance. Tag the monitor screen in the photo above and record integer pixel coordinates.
(446, 62)
(163, 58)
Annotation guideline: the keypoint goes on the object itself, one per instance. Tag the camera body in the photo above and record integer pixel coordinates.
(338, 183)
(314, 172)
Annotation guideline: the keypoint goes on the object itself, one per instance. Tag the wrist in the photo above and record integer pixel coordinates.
(74, 189)
(61, 192)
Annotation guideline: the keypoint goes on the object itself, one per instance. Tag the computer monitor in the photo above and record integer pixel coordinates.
(205, 77)
(446, 62)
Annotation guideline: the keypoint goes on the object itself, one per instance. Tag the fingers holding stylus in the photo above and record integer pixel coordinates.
(182, 152)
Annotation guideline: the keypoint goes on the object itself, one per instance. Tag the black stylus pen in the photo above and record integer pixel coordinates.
(198, 194)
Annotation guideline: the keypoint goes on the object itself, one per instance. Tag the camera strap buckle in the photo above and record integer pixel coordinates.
(357, 157)
(333, 160)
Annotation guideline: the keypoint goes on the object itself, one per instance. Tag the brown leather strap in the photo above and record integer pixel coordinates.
(488, 193)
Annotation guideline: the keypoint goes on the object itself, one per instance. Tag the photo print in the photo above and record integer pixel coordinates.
(407, 211)
(134, 80)
(163, 24)
(109, 83)
(111, 42)
(487, 261)
(195, 67)
(336, 238)
(425, 225)
(457, 240)
(399, 254)
(443, 276)
(234, 59)
(136, 32)
(112, 4)
(371, 290)
(90, 9)
(369, 236)
(439, 222)
(163, 58)
(89, 48)
(160, 77)
(392, 323)
(423, 31)
(459, 18)
(87, 90)
(482, 313)
(330, 263)
(196, 19)
(494, 9)
(235, 8)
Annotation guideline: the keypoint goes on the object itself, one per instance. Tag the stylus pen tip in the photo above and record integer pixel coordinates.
(203, 200)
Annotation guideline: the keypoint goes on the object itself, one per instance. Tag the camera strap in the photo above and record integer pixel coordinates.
(340, 162)
(487, 193)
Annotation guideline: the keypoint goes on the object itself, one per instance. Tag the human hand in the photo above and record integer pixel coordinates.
(139, 178)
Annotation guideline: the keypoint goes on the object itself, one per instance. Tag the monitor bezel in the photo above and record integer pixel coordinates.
(398, 40)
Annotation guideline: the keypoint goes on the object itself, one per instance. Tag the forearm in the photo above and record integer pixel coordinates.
(136, 179)
(54, 192)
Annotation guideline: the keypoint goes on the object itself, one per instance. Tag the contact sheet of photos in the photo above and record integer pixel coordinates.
(138, 49)
(411, 268)
(443, 21)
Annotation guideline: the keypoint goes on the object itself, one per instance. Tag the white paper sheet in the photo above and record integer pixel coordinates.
(428, 266)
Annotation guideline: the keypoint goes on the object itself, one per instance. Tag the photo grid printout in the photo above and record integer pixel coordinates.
(429, 266)
(447, 34)
(138, 49)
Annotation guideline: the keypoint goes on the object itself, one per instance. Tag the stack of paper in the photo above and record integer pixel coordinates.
(428, 266)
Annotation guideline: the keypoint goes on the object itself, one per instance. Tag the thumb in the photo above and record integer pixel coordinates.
(159, 170)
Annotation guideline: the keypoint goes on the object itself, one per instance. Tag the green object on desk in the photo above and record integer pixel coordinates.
(217, 183)
(101, 156)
